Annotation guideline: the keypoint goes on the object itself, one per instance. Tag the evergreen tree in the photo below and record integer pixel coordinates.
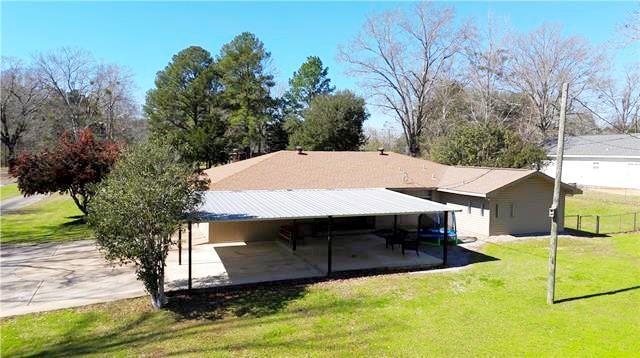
(243, 66)
(309, 81)
(184, 107)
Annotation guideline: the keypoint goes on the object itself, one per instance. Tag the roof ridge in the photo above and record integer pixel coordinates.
(255, 161)
(488, 168)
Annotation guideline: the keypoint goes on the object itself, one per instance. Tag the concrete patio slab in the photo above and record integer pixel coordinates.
(236, 264)
(361, 252)
(263, 261)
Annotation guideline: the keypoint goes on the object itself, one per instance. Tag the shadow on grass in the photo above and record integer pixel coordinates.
(459, 256)
(194, 322)
(215, 304)
(569, 299)
(580, 233)
(76, 220)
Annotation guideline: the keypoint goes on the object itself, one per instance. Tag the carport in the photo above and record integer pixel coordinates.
(303, 204)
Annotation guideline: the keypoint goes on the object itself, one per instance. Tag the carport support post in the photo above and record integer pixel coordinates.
(395, 224)
(329, 247)
(180, 245)
(445, 238)
(189, 279)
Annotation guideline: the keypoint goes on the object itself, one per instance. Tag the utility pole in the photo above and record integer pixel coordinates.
(553, 211)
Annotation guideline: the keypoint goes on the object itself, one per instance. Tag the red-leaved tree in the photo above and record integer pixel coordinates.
(73, 166)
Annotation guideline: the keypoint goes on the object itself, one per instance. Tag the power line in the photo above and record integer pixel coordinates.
(602, 118)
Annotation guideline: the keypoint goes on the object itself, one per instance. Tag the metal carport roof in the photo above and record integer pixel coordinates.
(261, 205)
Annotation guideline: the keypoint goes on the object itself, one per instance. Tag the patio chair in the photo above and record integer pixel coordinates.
(411, 243)
(387, 235)
(390, 238)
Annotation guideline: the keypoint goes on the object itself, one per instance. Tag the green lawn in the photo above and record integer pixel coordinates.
(55, 218)
(491, 308)
(597, 203)
(9, 191)
(615, 211)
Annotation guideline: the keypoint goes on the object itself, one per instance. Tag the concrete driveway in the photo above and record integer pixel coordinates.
(19, 202)
(59, 275)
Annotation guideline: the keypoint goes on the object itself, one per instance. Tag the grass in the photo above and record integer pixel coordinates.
(492, 308)
(593, 202)
(9, 191)
(615, 211)
(55, 218)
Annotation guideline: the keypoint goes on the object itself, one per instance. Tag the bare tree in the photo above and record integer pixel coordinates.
(541, 61)
(69, 75)
(621, 101)
(401, 57)
(85, 93)
(487, 57)
(630, 29)
(21, 98)
(116, 101)
(387, 137)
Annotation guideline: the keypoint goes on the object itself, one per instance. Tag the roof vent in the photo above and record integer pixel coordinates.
(381, 150)
(299, 149)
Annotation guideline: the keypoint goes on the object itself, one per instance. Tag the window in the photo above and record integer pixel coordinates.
(496, 210)
(596, 165)
(513, 210)
(482, 209)
(469, 208)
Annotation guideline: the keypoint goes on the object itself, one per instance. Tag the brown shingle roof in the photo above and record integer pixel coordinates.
(479, 180)
(334, 170)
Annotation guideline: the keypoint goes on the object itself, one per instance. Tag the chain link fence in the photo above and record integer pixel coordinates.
(603, 224)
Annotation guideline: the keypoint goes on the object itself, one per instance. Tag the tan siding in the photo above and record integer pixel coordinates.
(473, 223)
(404, 221)
(244, 231)
(532, 199)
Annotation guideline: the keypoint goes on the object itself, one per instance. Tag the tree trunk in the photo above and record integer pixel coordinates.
(414, 148)
(80, 203)
(158, 298)
(11, 155)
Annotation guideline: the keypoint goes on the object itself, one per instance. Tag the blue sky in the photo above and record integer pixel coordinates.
(144, 35)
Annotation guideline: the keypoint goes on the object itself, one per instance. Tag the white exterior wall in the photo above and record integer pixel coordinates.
(604, 172)
(472, 221)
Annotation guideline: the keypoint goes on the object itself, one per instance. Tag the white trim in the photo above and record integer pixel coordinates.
(452, 191)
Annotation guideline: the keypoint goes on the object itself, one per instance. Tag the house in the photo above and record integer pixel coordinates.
(610, 160)
(487, 201)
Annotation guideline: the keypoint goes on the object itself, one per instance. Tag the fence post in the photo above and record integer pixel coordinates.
(578, 222)
(635, 221)
(597, 224)
(620, 224)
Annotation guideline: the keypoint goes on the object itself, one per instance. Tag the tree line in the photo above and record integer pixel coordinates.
(64, 90)
(210, 108)
(434, 73)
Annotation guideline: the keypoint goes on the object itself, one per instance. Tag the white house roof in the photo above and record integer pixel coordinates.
(604, 145)
(259, 205)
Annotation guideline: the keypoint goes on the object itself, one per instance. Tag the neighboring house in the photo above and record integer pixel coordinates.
(491, 201)
(609, 160)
